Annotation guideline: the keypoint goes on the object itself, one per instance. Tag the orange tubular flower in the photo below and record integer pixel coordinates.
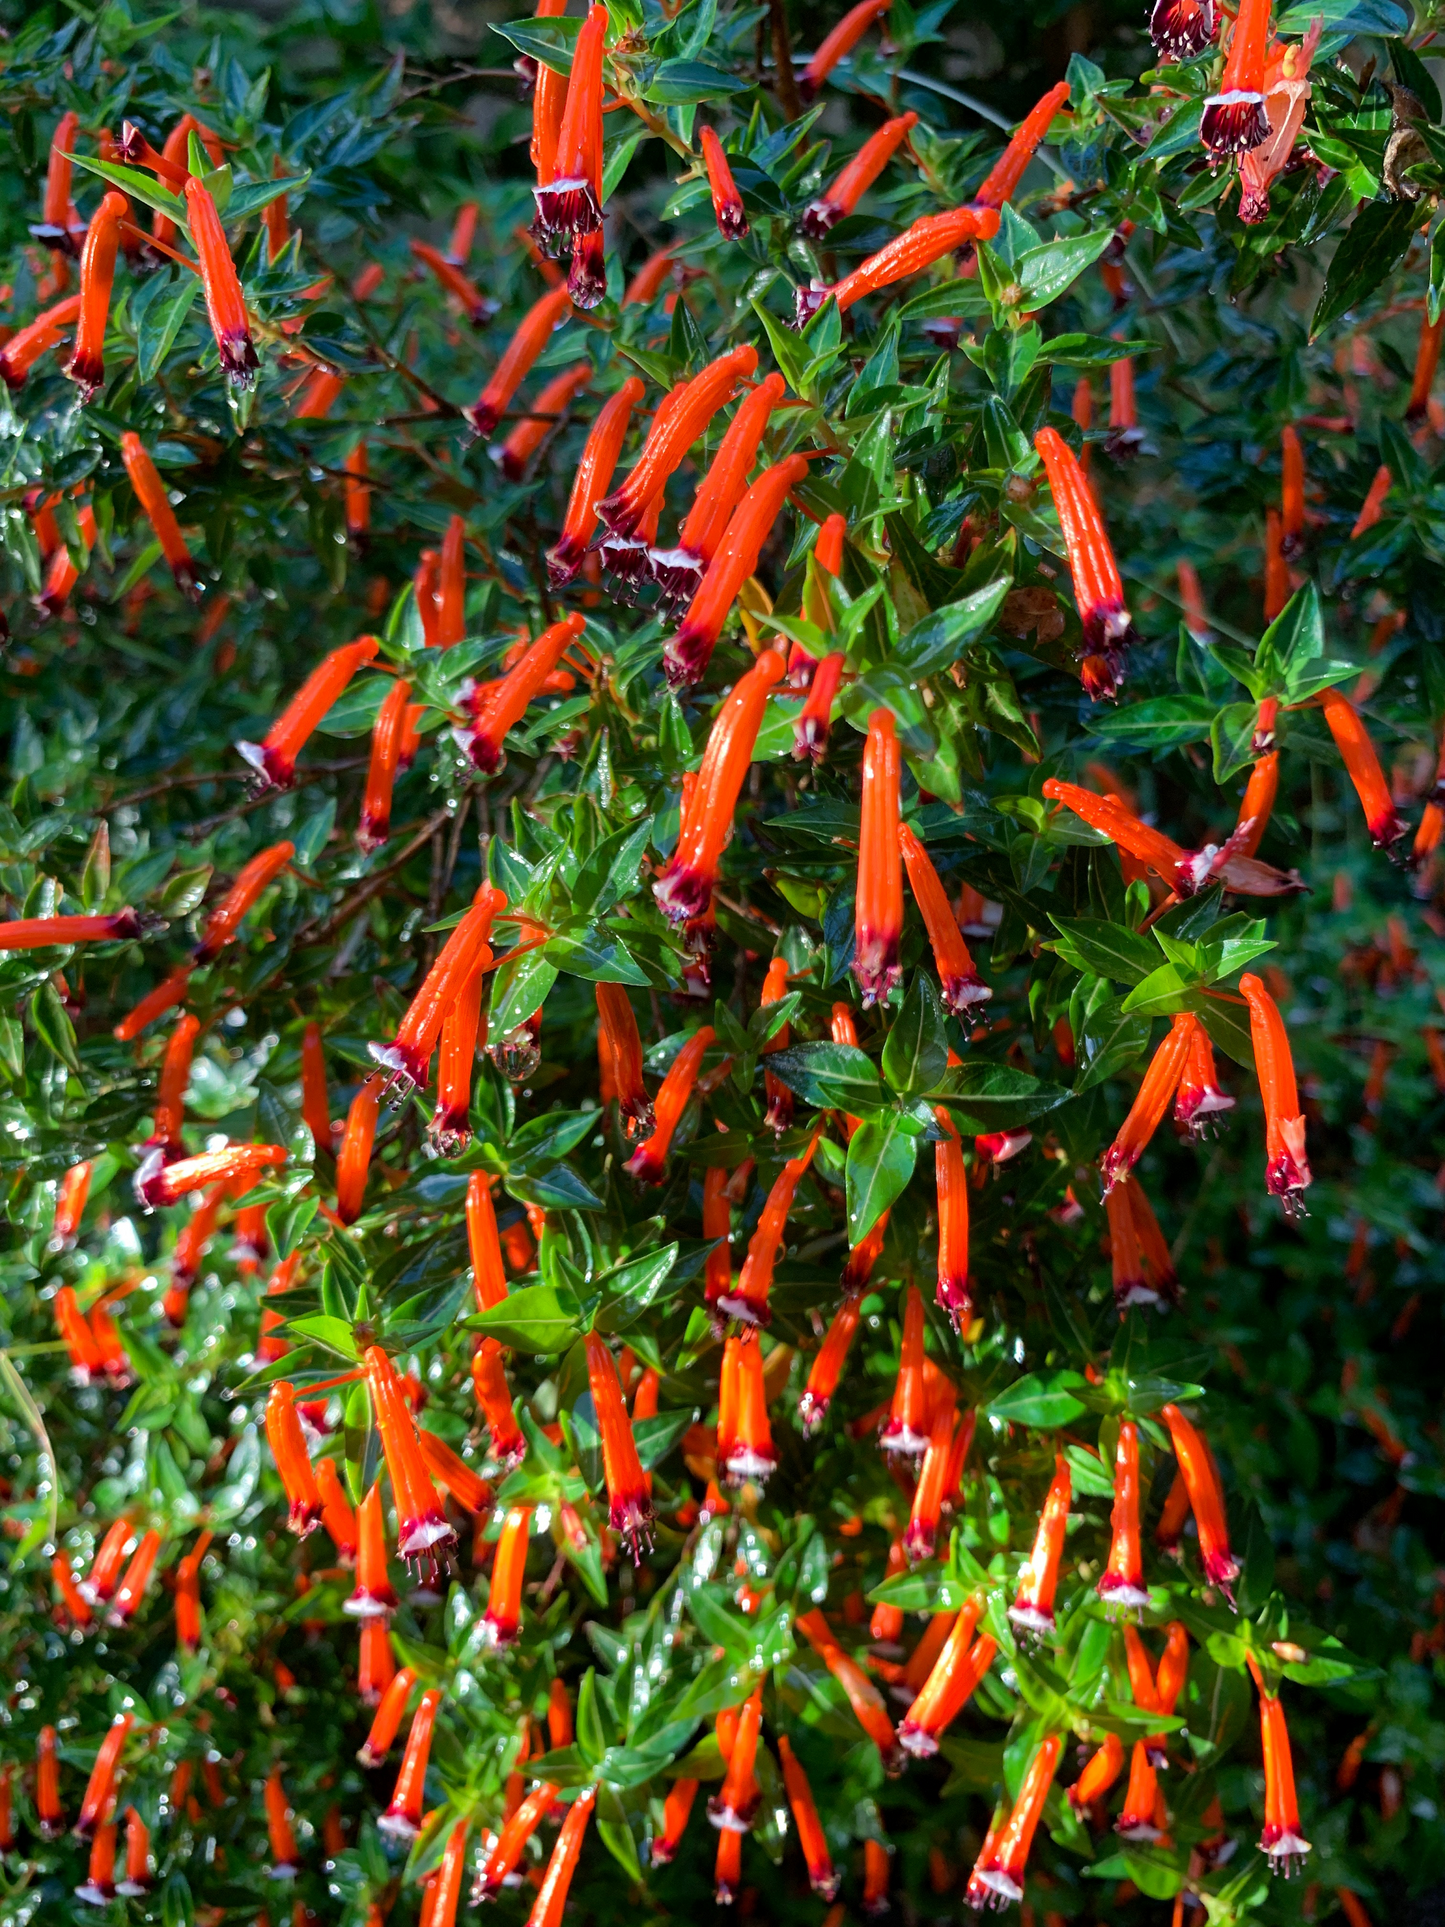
(99, 1888)
(686, 654)
(55, 228)
(1125, 434)
(188, 1596)
(70, 1201)
(373, 1596)
(62, 574)
(86, 1362)
(45, 933)
(954, 1290)
(1235, 119)
(650, 279)
(171, 1089)
(878, 917)
(1098, 591)
(225, 303)
(48, 1810)
(921, 1537)
(293, 1462)
(354, 1159)
(748, 1456)
(1199, 1096)
(1292, 492)
(717, 1222)
(523, 349)
(358, 495)
(593, 479)
(409, 1052)
(569, 200)
(823, 1878)
(684, 890)
(1206, 1500)
(388, 1717)
(856, 178)
(674, 430)
(863, 1695)
(1372, 509)
(1136, 1822)
(509, 1565)
(494, 1396)
(1281, 1840)
(907, 1426)
(377, 1664)
(507, 701)
(97, 273)
(475, 305)
(1181, 871)
(451, 586)
(75, 1601)
(1122, 1581)
(100, 1583)
(489, 1276)
(114, 1359)
(545, 414)
(749, 1300)
(155, 1003)
(336, 1513)
(1257, 804)
(827, 1367)
(675, 1814)
(450, 1128)
(1362, 764)
(1276, 569)
(950, 1685)
(1427, 360)
(1099, 1775)
(254, 878)
(928, 240)
(814, 720)
(421, 1524)
(1161, 1080)
(1033, 1609)
(386, 735)
(151, 494)
(957, 974)
(444, 1889)
(679, 572)
(617, 1027)
(1001, 1867)
(727, 203)
(502, 1861)
(21, 352)
(1008, 170)
(733, 1807)
(840, 43)
(551, 1901)
(133, 1586)
(280, 1832)
(315, 1100)
(628, 1504)
(137, 1879)
(779, 1098)
(1287, 1170)
(274, 759)
(170, 1183)
(402, 1819)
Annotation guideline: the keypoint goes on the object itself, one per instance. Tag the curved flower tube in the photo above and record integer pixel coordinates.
(733, 1807)
(958, 976)
(70, 1202)
(507, 701)
(373, 1596)
(1099, 1775)
(1362, 764)
(672, 434)
(545, 415)
(593, 479)
(280, 1831)
(494, 1398)
(454, 1475)
(878, 916)
(1427, 360)
(827, 1367)
(1098, 590)
(97, 275)
(570, 200)
(1281, 1840)
(421, 1524)
(907, 1426)
(954, 1291)
(1002, 179)
(100, 1789)
(44, 933)
(814, 721)
(1257, 804)
(136, 1580)
(24, 348)
(1033, 1608)
(1122, 1581)
(1235, 119)
(920, 1539)
(450, 1127)
(628, 1504)
(376, 1663)
(747, 1456)
(727, 203)
(175, 1074)
(225, 920)
(1199, 1097)
(823, 1877)
(748, 1300)
(1372, 509)
(950, 1685)
(928, 240)
(155, 503)
(408, 1054)
(684, 890)
(1160, 1082)
(336, 1513)
(526, 344)
(551, 1901)
(1001, 1869)
(1136, 1822)
(617, 1030)
(475, 306)
(648, 1162)
(1287, 1171)
(839, 43)
(274, 758)
(402, 1819)
(678, 572)
(56, 229)
(169, 1183)
(225, 303)
(509, 1565)
(506, 1854)
(853, 181)
(1206, 1500)
(353, 1161)
(293, 1462)
(489, 1276)
(686, 654)
(863, 1696)
(386, 735)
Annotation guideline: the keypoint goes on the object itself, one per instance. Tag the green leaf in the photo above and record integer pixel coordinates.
(983, 1097)
(519, 988)
(940, 639)
(1161, 992)
(535, 1319)
(881, 1156)
(1112, 1040)
(1372, 246)
(1043, 1400)
(1110, 950)
(915, 1052)
(685, 83)
(1046, 272)
(552, 40)
(1159, 723)
(830, 1076)
(334, 1333)
(141, 187)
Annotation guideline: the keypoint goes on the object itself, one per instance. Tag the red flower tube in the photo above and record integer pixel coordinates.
(878, 917)
(1362, 764)
(502, 1861)
(1292, 492)
(100, 1789)
(677, 1809)
(1235, 119)
(169, 1183)
(225, 303)
(137, 1879)
(526, 344)
(863, 1696)
(373, 1596)
(475, 305)
(86, 1363)
(353, 1161)
(1125, 434)
(779, 1098)
(100, 1583)
(748, 1456)
(921, 1537)
(421, 1523)
(386, 735)
(551, 1901)
(906, 1428)
(55, 228)
(377, 1665)
(549, 102)
(928, 240)
(24, 348)
(225, 920)
(1099, 1775)
(1427, 360)
(509, 1565)
(280, 1832)
(678, 572)
(450, 1128)
(388, 1717)
(1008, 170)
(409, 1052)
(717, 1222)
(454, 1475)
(489, 1276)
(1281, 1841)
(274, 759)
(445, 1887)
(99, 1888)
(114, 1359)
(336, 1513)
(451, 585)
(839, 43)
(1287, 1170)
(1372, 509)
(62, 574)
(648, 1162)
(1131, 1287)
(74, 1599)
(950, 1685)
(1001, 1868)
(1098, 591)
(293, 1461)
(727, 203)
(823, 1878)
(151, 494)
(733, 1807)
(827, 1367)
(814, 720)
(70, 1201)
(97, 274)
(954, 1290)
(358, 495)
(544, 416)
(593, 479)
(1206, 1500)
(674, 430)
(1033, 1609)
(507, 701)
(1122, 1581)
(1257, 804)
(570, 201)
(686, 654)
(749, 1299)
(684, 890)
(190, 1248)
(188, 1595)
(628, 1505)
(854, 181)
(133, 1586)
(48, 1810)
(617, 1025)
(494, 1396)
(45, 933)
(1199, 1096)
(155, 1003)
(1161, 1080)
(957, 974)
(648, 282)
(1136, 1822)
(402, 1819)
(171, 1088)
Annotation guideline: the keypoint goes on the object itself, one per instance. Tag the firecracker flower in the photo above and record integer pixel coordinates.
(100, 1789)
(293, 1462)
(477, 307)
(570, 201)
(1198, 1097)
(592, 481)
(1362, 765)
(336, 1513)
(46, 933)
(950, 1685)
(56, 228)
(863, 1696)
(422, 1528)
(86, 367)
(1206, 1500)
(827, 1367)
(878, 915)
(1033, 1607)
(402, 1818)
(686, 654)
(674, 431)
(920, 1539)
(727, 203)
(527, 343)
(628, 1503)
(169, 1183)
(24, 348)
(274, 758)
(507, 701)
(254, 878)
(547, 412)
(386, 1722)
(136, 1579)
(156, 505)
(1287, 1170)
(225, 302)
(959, 983)
(928, 240)
(551, 1901)
(1098, 590)
(1235, 119)
(1103, 1769)
(1122, 1581)
(731, 1810)
(839, 43)
(494, 1398)
(823, 1877)
(501, 1863)
(1001, 1867)
(450, 1128)
(409, 1053)
(748, 1300)
(854, 181)
(906, 1429)
(1001, 182)
(1156, 1092)
(619, 1036)
(386, 734)
(1282, 1839)
(678, 572)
